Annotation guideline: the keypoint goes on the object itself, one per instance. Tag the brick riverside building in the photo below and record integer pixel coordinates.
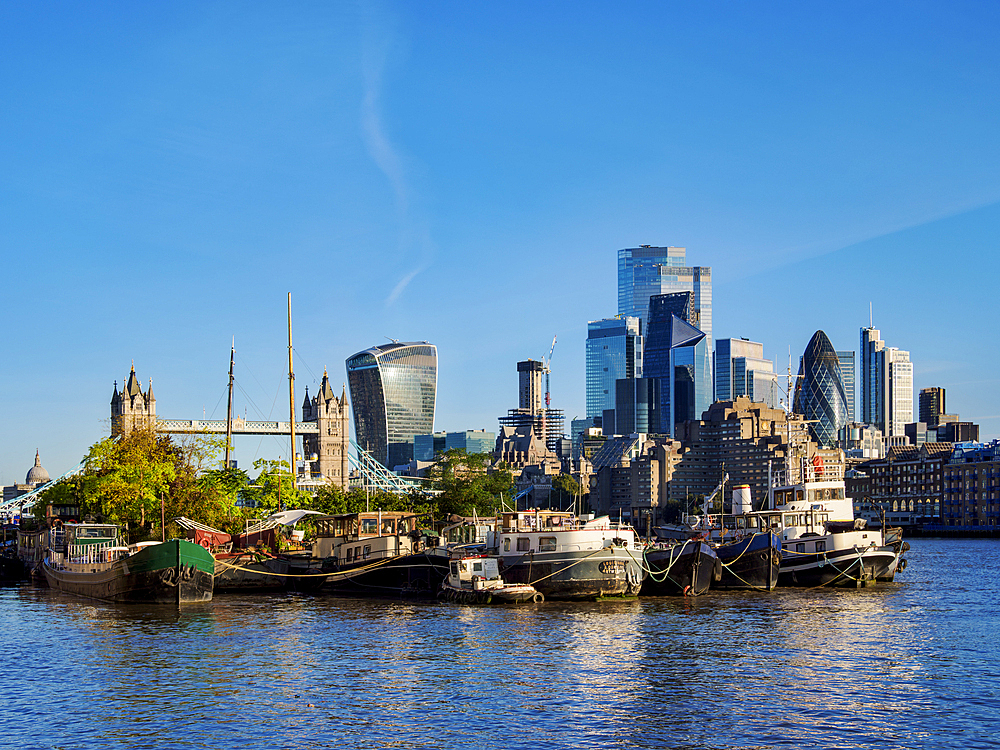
(972, 487)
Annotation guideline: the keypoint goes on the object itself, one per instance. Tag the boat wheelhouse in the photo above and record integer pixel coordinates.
(822, 542)
(567, 557)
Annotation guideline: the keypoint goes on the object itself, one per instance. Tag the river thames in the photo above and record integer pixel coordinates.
(903, 665)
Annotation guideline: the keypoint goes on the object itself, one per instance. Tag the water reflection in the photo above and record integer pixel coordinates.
(911, 664)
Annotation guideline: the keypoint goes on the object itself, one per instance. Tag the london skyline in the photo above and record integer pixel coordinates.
(466, 177)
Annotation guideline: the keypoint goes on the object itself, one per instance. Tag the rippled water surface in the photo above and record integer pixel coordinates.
(910, 664)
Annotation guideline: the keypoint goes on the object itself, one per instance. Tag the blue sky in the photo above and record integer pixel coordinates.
(465, 173)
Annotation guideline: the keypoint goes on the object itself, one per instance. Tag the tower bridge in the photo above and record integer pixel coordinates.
(324, 429)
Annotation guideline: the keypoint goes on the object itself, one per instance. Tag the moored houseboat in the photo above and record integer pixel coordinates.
(90, 560)
(379, 553)
(566, 557)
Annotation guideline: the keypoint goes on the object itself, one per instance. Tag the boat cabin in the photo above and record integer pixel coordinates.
(372, 535)
(464, 571)
(86, 547)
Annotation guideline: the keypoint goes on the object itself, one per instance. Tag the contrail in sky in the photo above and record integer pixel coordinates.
(375, 51)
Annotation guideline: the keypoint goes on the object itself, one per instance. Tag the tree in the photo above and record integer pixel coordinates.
(127, 480)
(468, 484)
(564, 490)
(273, 490)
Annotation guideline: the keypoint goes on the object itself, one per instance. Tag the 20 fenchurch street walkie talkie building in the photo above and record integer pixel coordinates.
(393, 390)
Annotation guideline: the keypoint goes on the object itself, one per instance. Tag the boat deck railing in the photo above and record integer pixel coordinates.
(89, 554)
(807, 472)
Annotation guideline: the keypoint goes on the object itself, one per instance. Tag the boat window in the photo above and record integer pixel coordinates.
(800, 548)
(798, 495)
(741, 523)
(821, 546)
(803, 519)
(387, 526)
(790, 520)
(506, 545)
(368, 551)
(523, 544)
(369, 526)
(546, 544)
(454, 568)
(752, 522)
(477, 567)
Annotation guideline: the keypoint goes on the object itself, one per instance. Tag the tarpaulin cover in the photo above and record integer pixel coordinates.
(210, 538)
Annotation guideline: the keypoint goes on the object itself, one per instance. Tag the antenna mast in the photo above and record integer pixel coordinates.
(291, 395)
(229, 408)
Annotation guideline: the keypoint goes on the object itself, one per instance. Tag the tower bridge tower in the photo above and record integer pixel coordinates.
(332, 440)
(132, 409)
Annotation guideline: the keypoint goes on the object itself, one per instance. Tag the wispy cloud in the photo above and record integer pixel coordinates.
(414, 241)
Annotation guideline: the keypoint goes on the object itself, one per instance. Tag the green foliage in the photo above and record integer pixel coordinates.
(564, 490)
(272, 490)
(468, 484)
(125, 481)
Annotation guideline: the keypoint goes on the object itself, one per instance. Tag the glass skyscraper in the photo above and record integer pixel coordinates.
(671, 358)
(847, 373)
(886, 385)
(614, 352)
(393, 390)
(645, 272)
(741, 370)
(819, 392)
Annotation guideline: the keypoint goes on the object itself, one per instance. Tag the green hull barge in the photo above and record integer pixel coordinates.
(87, 560)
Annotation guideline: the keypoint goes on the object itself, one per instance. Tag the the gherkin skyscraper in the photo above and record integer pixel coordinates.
(819, 392)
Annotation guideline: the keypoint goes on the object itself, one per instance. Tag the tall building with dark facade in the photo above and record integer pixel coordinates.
(931, 403)
(393, 392)
(614, 351)
(886, 385)
(645, 272)
(637, 406)
(672, 357)
(819, 392)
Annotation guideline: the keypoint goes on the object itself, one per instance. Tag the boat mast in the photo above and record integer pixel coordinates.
(229, 408)
(291, 394)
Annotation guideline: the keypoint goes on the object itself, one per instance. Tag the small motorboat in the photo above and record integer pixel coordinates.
(475, 579)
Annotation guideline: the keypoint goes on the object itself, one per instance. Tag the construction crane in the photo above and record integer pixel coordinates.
(546, 369)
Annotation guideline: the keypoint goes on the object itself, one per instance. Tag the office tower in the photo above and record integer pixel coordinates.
(637, 405)
(645, 272)
(886, 385)
(741, 370)
(393, 390)
(819, 391)
(672, 357)
(847, 375)
(932, 405)
(426, 447)
(546, 423)
(614, 351)
(529, 385)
